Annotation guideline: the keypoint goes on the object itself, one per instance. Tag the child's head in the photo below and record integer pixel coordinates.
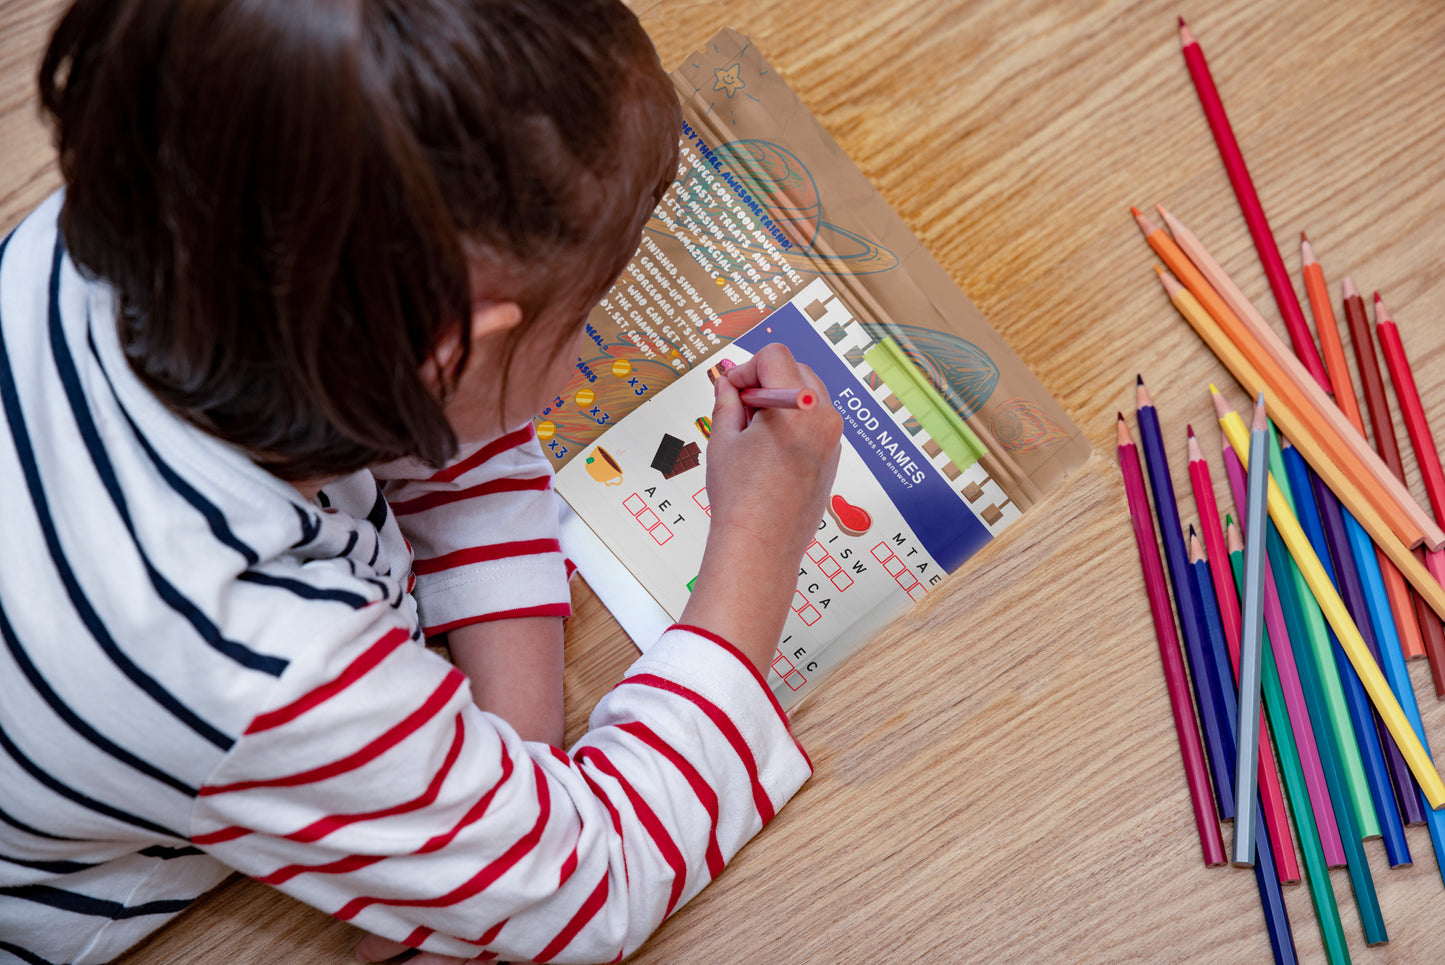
(299, 200)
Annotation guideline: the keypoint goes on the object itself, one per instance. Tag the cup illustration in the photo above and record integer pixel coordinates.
(603, 468)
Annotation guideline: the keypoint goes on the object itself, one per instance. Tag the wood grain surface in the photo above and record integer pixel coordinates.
(996, 777)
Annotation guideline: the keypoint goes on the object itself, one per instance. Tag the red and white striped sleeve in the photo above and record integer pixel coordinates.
(484, 533)
(374, 790)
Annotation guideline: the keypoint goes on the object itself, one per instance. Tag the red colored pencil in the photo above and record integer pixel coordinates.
(1410, 408)
(1384, 428)
(1191, 748)
(1274, 270)
(1405, 604)
(1271, 793)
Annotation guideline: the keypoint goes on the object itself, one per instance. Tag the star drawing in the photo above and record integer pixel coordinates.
(729, 80)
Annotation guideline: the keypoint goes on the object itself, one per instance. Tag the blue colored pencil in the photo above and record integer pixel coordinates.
(1203, 673)
(1266, 874)
(1339, 567)
(1357, 601)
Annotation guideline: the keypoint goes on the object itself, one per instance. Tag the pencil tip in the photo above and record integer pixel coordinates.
(1260, 420)
(1303, 238)
(1145, 225)
(1189, 426)
(1348, 287)
(1138, 380)
(1382, 314)
(1228, 519)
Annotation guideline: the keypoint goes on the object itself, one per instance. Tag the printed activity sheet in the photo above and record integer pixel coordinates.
(903, 511)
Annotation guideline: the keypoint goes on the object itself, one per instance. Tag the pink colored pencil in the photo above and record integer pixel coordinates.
(1294, 696)
(1279, 280)
(1191, 748)
(779, 398)
(1271, 794)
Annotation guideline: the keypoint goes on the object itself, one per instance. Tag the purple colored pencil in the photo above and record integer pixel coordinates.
(1203, 674)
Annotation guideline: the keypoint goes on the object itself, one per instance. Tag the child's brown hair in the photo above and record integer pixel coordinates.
(288, 195)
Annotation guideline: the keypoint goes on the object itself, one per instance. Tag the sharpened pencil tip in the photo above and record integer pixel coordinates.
(1260, 423)
(1186, 36)
(1138, 380)
(1221, 407)
(1348, 287)
(1196, 549)
(1145, 225)
(1189, 428)
(1382, 314)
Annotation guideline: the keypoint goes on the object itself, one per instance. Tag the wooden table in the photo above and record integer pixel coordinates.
(997, 777)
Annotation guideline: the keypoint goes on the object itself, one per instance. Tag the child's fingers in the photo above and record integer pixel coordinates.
(728, 412)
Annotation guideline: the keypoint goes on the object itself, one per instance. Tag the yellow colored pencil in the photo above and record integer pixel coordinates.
(1345, 630)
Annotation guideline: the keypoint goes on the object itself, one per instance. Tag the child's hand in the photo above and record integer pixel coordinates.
(768, 479)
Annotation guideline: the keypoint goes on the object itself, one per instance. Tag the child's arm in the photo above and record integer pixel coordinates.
(767, 481)
(374, 789)
(515, 667)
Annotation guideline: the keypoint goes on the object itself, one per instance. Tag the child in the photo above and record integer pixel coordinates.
(266, 370)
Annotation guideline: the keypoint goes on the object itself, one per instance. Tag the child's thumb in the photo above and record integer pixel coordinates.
(728, 412)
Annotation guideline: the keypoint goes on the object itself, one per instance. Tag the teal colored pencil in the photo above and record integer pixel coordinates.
(1314, 633)
(1291, 772)
(1250, 659)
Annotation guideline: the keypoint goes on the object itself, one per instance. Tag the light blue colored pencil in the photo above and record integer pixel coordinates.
(1251, 634)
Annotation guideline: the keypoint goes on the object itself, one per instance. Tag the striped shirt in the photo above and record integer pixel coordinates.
(201, 672)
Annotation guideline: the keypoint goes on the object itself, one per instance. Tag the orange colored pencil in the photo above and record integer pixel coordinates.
(1403, 604)
(1199, 319)
(1298, 394)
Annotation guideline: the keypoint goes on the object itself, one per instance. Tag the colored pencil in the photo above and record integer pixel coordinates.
(1316, 866)
(779, 398)
(1276, 819)
(1367, 900)
(1345, 629)
(1405, 604)
(1433, 637)
(1427, 457)
(1392, 663)
(1352, 575)
(1359, 747)
(1254, 218)
(1292, 604)
(1293, 388)
(1276, 918)
(1344, 578)
(1307, 743)
(1331, 348)
(1202, 671)
(1191, 751)
(1251, 661)
(1189, 307)
(1410, 408)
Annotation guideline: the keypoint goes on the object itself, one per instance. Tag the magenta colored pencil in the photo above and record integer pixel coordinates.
(1294, 697)
(1191, 748)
